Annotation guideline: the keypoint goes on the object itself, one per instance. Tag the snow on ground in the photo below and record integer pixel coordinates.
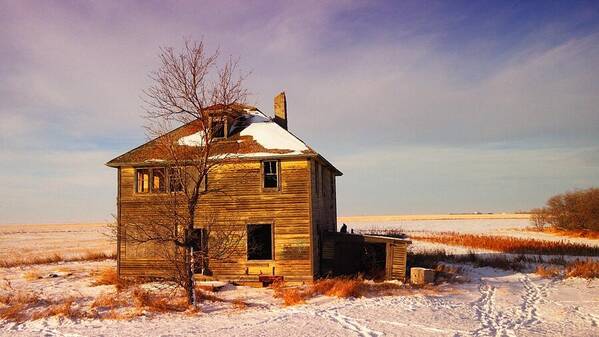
(504, 227)
(494, 303)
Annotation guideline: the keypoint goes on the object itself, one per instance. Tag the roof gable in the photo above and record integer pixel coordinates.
(251, 135)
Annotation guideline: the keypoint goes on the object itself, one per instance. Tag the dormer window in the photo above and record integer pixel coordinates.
(219, 126)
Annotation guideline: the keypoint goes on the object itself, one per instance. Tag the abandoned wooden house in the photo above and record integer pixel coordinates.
(278, 191)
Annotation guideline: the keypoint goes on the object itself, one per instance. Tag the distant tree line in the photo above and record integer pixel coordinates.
(576, 210)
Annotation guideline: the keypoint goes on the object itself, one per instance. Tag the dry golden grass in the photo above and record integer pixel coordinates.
(106, 276)
(569, 233)
(17, 303)
(421, 217)
(512, 245)
(109, 300)
(153, 302)
(202, 295)
(338, 287)
(32, 275)
(587, 269)
(548, 271)
(64, 308)
(14, 261)
(14, 313)
(291, 296)
(239, 304)
(333, 287)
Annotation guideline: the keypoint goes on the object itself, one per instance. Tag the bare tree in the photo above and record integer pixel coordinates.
(190, 87)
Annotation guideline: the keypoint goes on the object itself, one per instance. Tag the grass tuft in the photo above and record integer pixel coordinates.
(587, 269)
(239, 304)
(32, 275)
(548, 271)
(333, 287)
(106, 276)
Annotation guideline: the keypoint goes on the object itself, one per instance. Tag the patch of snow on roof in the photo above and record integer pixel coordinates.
(196, 139)
(273, 137)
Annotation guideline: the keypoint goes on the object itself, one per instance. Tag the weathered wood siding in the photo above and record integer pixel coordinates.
(135, 259)
(399, 253)
(241, 201)
(324, 207)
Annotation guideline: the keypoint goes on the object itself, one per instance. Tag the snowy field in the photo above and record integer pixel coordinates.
(503, 227)
(492, 303)
(68, 240)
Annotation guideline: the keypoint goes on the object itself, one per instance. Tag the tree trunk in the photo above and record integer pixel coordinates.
(189, 282)
(189, 258)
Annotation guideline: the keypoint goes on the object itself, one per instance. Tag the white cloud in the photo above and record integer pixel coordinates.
(72, 77)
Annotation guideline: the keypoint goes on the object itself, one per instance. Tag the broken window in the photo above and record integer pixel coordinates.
(143, 181)
(150, 180)
(175, 178)
(218, 127)
(271, 173)
(158, 180)
(259, 241)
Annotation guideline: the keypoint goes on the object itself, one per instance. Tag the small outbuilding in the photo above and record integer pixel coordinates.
(377, 257)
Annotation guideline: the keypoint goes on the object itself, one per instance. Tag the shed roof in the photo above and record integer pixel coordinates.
(252, 135)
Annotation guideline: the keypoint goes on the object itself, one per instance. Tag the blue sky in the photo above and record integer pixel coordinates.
(426, 106)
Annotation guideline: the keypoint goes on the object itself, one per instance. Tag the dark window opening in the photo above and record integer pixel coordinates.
(271, 175)
(199, 239)
(259, 240)
(175, 179)
(218, 128)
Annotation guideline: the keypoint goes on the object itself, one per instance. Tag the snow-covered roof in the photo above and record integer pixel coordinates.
(262, 130)
(251, 134)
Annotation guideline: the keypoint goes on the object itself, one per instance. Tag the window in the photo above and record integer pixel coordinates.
(199, 239)
(270, 174)
(143, 181)
(175, 178)
(259, 242)
(158, 180)
(150, 180)
(218, 127)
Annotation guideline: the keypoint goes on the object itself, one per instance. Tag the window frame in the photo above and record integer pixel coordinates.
(151, 190)
(272, 241)
(225, 123)
(136, 183)
(263, 175)
(170, 182)
(164, 181)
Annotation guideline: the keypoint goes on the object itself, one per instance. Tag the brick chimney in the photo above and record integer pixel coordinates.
(281, 110)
